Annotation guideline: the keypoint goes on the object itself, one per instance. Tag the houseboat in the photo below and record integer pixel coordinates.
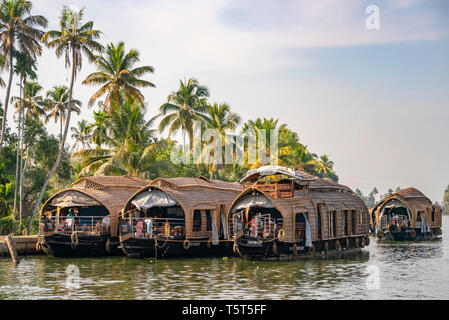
(178, 217)
(285, 214)
(83, 220)
(407, 215)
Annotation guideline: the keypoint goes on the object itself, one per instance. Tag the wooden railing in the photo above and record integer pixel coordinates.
(284, 190)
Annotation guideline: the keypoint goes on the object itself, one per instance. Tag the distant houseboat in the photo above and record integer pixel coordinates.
(178, 217)
(83, 220)
(282, 213)
(406, 215)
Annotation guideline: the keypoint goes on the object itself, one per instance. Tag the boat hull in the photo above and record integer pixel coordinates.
(60, 245)
(163, 248)
(250, 248)
(406, 235)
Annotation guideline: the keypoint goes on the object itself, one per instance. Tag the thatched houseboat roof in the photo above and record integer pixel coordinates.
(412, 199)
(112, 192)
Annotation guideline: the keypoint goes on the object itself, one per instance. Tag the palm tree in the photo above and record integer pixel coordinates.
(324, 165)
(220, 118)
(183, 107)
(287, 140)
(116, 75)
(25, 67)
(57, 104)
(80, 135)
(17, 31)
(98, 130)
(132, 148)
(32, 103)
(72, 41)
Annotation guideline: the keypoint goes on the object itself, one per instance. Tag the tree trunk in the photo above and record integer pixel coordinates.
(8, 92)
(61, 148)
(17, 156)
(60, 130)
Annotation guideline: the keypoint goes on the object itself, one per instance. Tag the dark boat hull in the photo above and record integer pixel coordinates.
(407, 236)
(250, 248)
(149, 248)
(60, 245)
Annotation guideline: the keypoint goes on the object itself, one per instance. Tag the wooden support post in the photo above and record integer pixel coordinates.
(12, 249)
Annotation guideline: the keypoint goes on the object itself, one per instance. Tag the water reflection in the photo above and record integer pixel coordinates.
(408, 270)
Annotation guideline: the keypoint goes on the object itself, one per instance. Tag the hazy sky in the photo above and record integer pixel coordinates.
(375, 101)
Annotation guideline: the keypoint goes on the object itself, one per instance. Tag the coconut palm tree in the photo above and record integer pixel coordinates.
(32, 103)
(287, 139)
(117, 75)
(18, 32)
(132, 147)
(25, 67)
(324, 165)
(183, 107)
(73, 40)
(57, 104)
(80, 136)
(220, 118)
(98, 130)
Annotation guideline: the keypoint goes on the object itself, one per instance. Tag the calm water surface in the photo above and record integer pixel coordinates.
(405, 271)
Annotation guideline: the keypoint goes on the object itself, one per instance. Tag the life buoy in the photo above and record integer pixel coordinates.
(362, 242)
(347, 244)
(356, 242)
(380, 235)
(295, 249)
(325, 247)
(367, 240)
(38, 246)
(311, 250)
(337, 246)
(413, 234)
(74, 240)
(108, 245)
(281, 234)
(274, 248)
(186, 244)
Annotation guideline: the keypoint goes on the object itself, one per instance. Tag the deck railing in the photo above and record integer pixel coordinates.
(266, 228)
(67, 225)
(277, 190)
(166, 227)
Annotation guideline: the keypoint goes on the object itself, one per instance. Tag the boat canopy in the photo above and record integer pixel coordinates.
(73, 198)
(251, 201)
(153, 198)
(255, 174)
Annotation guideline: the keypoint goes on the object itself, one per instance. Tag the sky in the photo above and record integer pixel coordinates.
(375, 100)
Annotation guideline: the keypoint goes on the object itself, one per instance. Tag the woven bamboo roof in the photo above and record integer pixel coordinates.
(110, 191)
(188, 183)
(103, 182)
(411, 197)
(192, 193)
